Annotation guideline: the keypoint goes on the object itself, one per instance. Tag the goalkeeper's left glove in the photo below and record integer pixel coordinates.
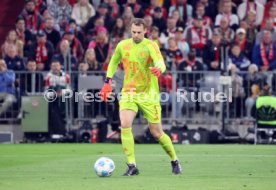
(155, 71)
(106, 90)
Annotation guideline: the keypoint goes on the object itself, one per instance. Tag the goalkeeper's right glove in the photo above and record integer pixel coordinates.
(106, 90)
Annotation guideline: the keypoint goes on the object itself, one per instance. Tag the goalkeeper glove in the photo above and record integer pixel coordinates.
(106, 90)
(155, 71)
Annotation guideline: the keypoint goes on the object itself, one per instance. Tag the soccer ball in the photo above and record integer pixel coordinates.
(104, 167)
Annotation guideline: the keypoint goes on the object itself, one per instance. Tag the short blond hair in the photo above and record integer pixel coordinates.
(139, 22)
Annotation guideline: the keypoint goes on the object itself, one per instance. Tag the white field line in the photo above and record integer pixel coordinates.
(142, 155)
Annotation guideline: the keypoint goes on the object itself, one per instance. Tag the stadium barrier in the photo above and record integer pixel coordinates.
(190, 97)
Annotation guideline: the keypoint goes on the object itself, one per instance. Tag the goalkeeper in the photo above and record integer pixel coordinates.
(143, 64)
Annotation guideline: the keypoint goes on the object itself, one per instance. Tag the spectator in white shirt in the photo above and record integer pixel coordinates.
(249, 5)
(82, 11)
(233, 19)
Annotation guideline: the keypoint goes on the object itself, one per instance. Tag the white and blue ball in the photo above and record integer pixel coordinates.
(104, 167)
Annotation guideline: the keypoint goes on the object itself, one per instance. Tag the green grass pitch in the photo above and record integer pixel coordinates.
(70, 167)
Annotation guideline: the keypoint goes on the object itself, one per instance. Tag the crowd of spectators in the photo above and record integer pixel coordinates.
(192, 35)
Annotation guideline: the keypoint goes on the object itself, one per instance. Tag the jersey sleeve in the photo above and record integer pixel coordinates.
(115, 60)
(156, 56)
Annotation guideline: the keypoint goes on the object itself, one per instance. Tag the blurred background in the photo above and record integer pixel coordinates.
(219, 46)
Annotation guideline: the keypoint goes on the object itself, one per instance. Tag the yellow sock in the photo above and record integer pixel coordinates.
(128, 144)
(167, 145)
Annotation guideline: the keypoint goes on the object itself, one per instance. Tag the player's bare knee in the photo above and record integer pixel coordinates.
(156, 130)
(156, 134)
(126, 123)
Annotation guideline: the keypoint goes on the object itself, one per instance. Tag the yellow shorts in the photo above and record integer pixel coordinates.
(151, 109)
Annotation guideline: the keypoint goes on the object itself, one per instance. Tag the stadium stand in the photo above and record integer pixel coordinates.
(200, 41)
(9, 14)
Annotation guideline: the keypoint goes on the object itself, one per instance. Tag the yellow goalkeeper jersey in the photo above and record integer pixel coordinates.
(137, 58)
